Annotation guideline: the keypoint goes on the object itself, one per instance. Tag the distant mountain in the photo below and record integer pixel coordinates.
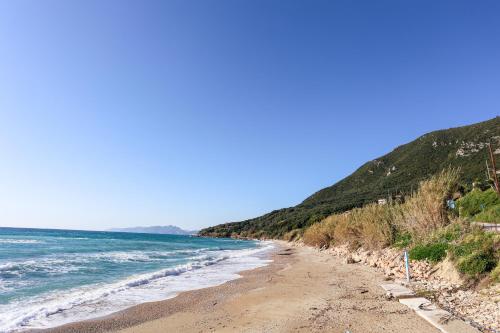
(169, 229)
(398, 172)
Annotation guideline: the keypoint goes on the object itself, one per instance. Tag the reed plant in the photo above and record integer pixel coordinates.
(426, 210)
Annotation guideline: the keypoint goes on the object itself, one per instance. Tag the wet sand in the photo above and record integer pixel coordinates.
(301, 291)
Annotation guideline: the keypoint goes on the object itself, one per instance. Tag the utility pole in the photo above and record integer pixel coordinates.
(494, 169)
(488, 174)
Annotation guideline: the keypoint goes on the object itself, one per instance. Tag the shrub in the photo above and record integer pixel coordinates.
(495, 273)
(477, 253)
(477, 201)
(402, 240)
(433, 252)
(492, 214)
(451, 232)
(476, 263)
(434, 247)
(477, 240)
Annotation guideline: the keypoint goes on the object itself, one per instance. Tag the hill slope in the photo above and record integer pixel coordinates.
(397, 172)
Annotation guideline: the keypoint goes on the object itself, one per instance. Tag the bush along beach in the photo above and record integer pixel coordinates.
(424, 224)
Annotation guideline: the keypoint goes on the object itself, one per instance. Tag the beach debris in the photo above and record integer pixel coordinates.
(285, 252)
(426, 306)
(446, 318)
(349, 260)
(362, 290)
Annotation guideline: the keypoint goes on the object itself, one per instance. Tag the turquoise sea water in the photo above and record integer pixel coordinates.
(51, 277)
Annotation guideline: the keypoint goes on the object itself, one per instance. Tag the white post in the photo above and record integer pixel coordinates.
(407, 265)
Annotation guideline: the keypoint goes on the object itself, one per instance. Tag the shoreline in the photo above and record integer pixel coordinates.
(300, 290)
(148, 311)
(259, 259)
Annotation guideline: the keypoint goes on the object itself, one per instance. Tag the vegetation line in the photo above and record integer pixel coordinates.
(427, 223)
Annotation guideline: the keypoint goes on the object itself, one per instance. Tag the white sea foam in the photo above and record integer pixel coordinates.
(19, 241)
(204, 270)
(46, 265)
(58, 264)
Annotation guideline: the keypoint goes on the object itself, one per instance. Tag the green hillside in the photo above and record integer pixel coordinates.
(400, 171)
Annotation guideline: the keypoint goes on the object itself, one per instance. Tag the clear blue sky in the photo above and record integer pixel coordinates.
(125, 113)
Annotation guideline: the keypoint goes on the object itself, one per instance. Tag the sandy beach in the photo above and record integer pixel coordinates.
(302, 290)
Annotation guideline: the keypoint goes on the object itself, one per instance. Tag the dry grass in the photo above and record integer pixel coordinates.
(321, 234)
(376, 226)
(425, 211)
(293, 235)
(345, 229)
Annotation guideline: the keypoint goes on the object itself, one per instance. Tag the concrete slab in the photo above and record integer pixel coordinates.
(439, 318)
(397, 291)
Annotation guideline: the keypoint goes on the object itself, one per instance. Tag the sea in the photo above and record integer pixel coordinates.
(52, 277)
